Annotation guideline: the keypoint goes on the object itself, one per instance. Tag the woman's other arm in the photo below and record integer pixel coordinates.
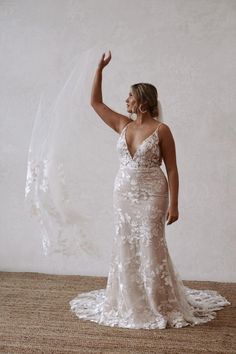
(168, 150)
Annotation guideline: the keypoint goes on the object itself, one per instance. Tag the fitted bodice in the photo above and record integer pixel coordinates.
(147, 155)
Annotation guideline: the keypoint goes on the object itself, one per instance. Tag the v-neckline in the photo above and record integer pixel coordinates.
(127, 148)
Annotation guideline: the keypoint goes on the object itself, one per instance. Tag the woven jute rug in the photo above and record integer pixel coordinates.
(36, 318)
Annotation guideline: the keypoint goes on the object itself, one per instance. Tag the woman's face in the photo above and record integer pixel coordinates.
(131, 103)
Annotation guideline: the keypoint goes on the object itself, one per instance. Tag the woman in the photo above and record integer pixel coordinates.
(143, 290)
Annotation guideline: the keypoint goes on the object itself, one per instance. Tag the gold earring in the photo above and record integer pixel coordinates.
(141, 110)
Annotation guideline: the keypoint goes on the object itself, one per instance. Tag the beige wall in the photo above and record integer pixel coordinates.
(187, 49)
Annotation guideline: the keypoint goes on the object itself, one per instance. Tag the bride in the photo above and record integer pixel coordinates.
(144, 289)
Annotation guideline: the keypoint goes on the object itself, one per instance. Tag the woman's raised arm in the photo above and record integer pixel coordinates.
(115, 120)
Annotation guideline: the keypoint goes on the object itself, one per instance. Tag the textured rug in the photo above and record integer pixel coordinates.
(36, 318)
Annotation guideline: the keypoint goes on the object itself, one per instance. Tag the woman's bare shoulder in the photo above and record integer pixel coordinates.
(165, 128)
(164, 131)
(163, 124)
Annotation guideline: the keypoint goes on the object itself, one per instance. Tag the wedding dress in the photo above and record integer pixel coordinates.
(144, 290)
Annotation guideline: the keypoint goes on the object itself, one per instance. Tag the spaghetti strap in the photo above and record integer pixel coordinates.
(158, 127)
(124, 127)
(155, 131)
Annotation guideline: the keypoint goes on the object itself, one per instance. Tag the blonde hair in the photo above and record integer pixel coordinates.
(146, 94)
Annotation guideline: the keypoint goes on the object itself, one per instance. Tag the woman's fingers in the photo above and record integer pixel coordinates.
(172, 215)
(171, 218)
(105, 60)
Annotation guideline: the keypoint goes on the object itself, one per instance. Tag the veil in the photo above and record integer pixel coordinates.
(57, 166)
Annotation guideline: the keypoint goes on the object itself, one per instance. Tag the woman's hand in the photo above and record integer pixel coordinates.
(104, 61)
(172, 214)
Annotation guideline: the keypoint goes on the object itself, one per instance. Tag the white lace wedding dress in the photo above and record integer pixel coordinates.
(144, 290)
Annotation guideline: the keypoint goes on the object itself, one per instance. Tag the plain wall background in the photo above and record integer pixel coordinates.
(187, 49)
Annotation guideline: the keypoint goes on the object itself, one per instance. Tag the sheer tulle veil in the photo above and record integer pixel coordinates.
(57, 165)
